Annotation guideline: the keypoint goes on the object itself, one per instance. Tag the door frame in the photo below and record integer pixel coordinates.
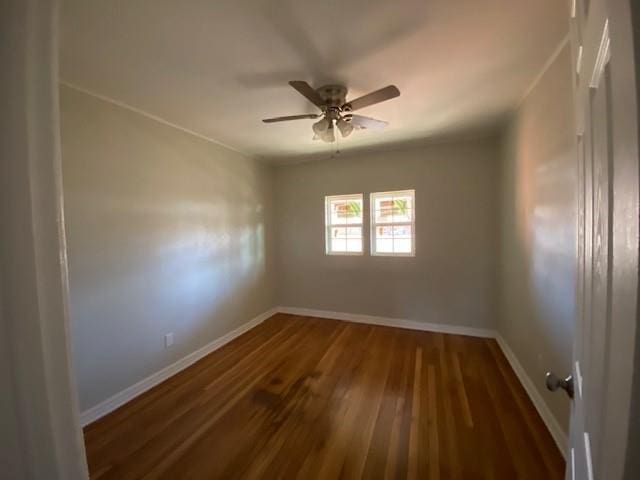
(40, 418)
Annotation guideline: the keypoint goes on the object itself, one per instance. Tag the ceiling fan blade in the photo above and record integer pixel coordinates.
(290, 117)
(386, 93)
(307, 90)
(366, 122)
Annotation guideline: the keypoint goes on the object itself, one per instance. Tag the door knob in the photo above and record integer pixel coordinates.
(554, 383)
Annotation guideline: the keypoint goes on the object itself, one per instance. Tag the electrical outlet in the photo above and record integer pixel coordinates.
(168, 340)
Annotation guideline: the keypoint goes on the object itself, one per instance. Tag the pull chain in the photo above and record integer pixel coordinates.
(337, 150)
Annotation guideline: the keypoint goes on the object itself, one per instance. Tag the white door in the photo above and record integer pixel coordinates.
(597, 116)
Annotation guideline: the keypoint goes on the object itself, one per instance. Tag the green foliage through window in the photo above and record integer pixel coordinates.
(354, 209)
(350, 209)
(400, 206)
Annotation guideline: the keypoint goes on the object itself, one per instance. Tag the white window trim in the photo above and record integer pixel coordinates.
(328, 225)
(373, 224)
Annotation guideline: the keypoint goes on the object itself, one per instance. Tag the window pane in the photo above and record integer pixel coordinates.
(392, 209)
(402, 245)
(384, 245)
(345, 239)
(354, 211)
(401, 231)
(382, 202)
(338, 209)
(401, 213)
(338, 245)
(338, 232)
(394, 239)
(354, 245)
(354, 232)
(345, 211)
(403, 200)
(384, 232)
(383, 209)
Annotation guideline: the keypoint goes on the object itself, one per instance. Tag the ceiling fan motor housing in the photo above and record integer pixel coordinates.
(333, 95)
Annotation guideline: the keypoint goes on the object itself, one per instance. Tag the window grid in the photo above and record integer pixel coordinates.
(383, 204)
(350, 242)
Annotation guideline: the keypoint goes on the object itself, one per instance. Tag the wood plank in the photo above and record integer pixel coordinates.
(300, 397)
(414, 433)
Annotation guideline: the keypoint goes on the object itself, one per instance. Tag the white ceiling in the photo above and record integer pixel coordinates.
(217, 67)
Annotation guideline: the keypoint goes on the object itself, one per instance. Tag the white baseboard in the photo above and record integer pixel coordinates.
(129, 393)
(391, 322)
(556, 431)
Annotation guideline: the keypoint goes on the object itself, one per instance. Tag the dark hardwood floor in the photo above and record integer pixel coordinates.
(300, 397)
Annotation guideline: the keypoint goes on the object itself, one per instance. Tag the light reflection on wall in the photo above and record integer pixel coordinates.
(553, 250)
(545, 228)
(166, 233)
(538, 279)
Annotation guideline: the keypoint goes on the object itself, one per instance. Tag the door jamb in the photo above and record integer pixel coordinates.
(47, 436)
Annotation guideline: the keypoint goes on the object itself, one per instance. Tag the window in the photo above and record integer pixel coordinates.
(393, 223)
(343, 224)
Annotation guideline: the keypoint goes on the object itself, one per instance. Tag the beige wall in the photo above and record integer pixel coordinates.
(11, 443)
(538, 271)
(451, 280)
(166, 233)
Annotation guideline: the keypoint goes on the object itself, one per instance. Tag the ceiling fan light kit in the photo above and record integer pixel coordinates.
(336, 110)
(345, 127)
(321, 126)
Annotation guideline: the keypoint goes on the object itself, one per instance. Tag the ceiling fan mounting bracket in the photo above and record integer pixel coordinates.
(333, 95)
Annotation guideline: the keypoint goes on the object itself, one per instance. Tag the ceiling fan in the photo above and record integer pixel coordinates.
(336, 110)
